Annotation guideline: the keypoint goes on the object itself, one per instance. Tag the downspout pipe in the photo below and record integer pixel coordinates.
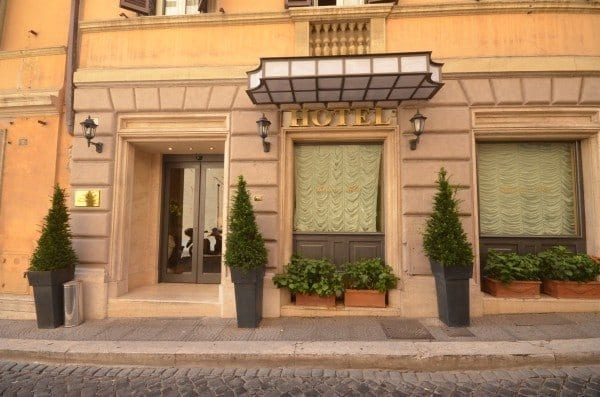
(70, 69)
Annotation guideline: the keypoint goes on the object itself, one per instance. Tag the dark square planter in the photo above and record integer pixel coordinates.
(248, 296)
(48, 295)
(452, 287)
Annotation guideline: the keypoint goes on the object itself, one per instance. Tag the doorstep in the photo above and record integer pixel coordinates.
(543, 304)
(17, 307)
(339, 311)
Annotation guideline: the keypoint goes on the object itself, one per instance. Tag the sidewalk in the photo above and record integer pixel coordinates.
(337, 342)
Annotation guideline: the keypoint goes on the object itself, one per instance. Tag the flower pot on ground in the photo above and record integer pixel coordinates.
(246, 255)
(366, 282)
(569, 275)
(52, 264)
(316, 277)
(450, 255)
(510, 275)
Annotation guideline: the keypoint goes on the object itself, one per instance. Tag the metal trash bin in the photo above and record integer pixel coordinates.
(73, 303)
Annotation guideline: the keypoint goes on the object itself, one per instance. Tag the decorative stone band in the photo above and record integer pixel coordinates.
(353, 78)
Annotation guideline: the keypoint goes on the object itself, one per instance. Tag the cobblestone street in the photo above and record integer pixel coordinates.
(22, 379)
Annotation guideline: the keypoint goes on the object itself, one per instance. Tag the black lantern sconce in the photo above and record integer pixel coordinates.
(263, 125)
(89, 132)
(418, 122)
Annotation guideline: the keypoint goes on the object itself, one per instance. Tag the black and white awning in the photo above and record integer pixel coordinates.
(348, 78)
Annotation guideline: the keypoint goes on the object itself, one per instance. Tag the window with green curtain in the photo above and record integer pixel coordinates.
(336, 187)
(527, 189)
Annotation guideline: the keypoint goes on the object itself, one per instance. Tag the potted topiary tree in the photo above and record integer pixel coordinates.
(52, 264)
(366, 282)
(246, 255)
(450, 255)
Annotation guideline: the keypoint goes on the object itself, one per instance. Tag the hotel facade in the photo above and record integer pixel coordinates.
(510, 91)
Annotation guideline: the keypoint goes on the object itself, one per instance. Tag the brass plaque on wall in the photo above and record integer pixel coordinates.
(87, 198)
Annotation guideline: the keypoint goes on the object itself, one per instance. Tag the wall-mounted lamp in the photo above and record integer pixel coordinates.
(263, 125)
(418, 122)
(89, 132)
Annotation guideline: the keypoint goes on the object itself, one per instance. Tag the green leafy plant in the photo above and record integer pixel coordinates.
(310, 276)
(54, 249)
(370, 274)
(444, 239)
(558, 263)
(510, 266)
(245, 245)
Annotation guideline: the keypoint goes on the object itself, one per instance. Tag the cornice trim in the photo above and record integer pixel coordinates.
(171, 21)
(299, 14)
(496, 7)
(34, 52)
(519, 65)
(453, 68)
(13, 104)
(158, 76)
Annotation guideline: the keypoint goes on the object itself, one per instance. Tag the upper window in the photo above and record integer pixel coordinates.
(168, 7)
(528, 189)
(322, 3)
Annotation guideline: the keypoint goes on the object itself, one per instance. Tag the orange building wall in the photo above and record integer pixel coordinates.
(496, 35)
(36, 154)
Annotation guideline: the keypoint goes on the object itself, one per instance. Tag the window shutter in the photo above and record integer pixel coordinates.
(203, 6)
(298, 3)
(144, 7)
(380, 1)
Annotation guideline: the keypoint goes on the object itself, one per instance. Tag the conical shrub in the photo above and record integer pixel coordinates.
(245, 247)
(444, 239)
(54, 249)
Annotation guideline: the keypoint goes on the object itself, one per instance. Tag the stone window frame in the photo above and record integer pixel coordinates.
(580, 124)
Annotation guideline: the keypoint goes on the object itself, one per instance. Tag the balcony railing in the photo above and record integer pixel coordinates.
(339, 38)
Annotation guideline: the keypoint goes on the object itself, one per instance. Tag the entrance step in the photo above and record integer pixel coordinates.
(338, 311)
(17, 307)
(168, 300)
(544, 304)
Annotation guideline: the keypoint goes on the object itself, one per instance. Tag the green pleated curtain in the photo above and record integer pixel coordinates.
(336, 187)
(527, 189)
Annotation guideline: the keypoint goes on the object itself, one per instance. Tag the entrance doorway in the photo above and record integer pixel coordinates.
(192, 221)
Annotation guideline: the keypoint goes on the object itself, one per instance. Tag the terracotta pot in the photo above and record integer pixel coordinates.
(515, 289)
(571, 289)
(315, 300)
(364, 298)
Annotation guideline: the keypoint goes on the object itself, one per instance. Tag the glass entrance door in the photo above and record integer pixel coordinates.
(191, 242)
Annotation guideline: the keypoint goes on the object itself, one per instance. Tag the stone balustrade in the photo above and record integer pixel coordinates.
(339, 38)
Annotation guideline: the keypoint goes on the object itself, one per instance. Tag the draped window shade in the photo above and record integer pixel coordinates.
(337, 188)
(527, 189)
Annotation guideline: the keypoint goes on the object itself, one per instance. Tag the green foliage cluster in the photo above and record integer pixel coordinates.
(444, 239)
(245, 247)
(370, 274)
(311, 277)
(509, 266)
(54, 249)
(558, 263)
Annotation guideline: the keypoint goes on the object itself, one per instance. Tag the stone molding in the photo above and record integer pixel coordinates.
(236, 74)
(34, 52)
(495, 7)
(23, 103)
(323, 13)
(169, 123)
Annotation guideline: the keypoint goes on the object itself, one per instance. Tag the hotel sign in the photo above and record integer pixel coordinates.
(343, 117)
